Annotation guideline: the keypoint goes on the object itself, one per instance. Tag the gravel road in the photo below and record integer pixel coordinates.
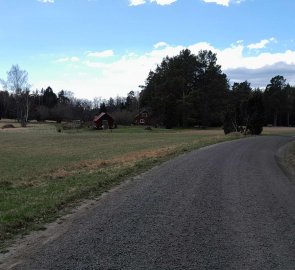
(227, 206)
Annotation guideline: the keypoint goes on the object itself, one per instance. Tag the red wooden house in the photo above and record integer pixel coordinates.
(143, 118)
(103, 121)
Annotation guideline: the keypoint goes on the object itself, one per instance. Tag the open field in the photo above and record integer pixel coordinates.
(279, 131)
(43, 171)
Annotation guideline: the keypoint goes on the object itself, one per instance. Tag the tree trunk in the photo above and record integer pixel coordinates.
(275, 119)
(27, 108)
(23, 122)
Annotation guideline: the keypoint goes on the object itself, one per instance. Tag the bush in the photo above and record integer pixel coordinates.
(255, 125)
(8, 126)
(124, 117)
(255, 111)
(228, 126)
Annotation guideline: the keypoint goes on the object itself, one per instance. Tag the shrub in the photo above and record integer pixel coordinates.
(8, 126)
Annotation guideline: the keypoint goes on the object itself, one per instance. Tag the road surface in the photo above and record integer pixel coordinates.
(227, 206)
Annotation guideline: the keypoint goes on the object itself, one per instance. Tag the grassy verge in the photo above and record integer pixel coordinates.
(291, 158)
(288, 155)
(288, 160)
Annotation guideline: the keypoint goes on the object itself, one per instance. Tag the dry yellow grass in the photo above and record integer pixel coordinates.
(207, 132)
(279, 131)
(90, 166)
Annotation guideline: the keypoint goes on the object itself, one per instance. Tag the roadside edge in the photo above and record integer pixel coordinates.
(282, 158)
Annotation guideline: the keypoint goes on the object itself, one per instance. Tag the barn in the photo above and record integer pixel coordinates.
(103, 121)
(143, 118)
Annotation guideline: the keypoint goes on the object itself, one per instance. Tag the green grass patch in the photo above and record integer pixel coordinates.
(43, 172)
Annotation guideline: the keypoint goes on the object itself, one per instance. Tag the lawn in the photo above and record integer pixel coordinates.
(43, 171)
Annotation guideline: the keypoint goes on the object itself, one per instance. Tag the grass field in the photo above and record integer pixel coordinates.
(43, 171)
(289, 131)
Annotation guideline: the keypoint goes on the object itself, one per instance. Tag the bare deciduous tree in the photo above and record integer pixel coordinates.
(17, 82)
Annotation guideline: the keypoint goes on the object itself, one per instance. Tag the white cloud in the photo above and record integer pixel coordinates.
(225, 3)
(97, 77)
(68, 59)
(132, 70)
(102, 54)
(46, 1)
(136, 2)
(261, 44)
(163, 2)
(260, 77)
(159, 2)
(234, 57)
(218, 2)
(160, 44)
(94, 64)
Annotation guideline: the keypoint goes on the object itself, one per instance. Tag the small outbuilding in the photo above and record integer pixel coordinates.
(103, 121)
(143, 118)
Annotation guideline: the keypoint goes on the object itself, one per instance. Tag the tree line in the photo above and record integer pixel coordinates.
(191, 90)
(183, 91)
(18, 102)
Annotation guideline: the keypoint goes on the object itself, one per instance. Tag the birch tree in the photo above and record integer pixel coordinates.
(17, 83)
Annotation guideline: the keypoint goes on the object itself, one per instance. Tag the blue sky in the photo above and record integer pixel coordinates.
(103, 48)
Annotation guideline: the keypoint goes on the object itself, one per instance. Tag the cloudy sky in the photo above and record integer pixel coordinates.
(104, 48)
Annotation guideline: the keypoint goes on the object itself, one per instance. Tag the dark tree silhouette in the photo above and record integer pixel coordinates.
(49, 98)
(197, 85)
(274, 97)
(255, 110)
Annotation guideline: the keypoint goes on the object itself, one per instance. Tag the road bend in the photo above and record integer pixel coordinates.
(228, 206)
